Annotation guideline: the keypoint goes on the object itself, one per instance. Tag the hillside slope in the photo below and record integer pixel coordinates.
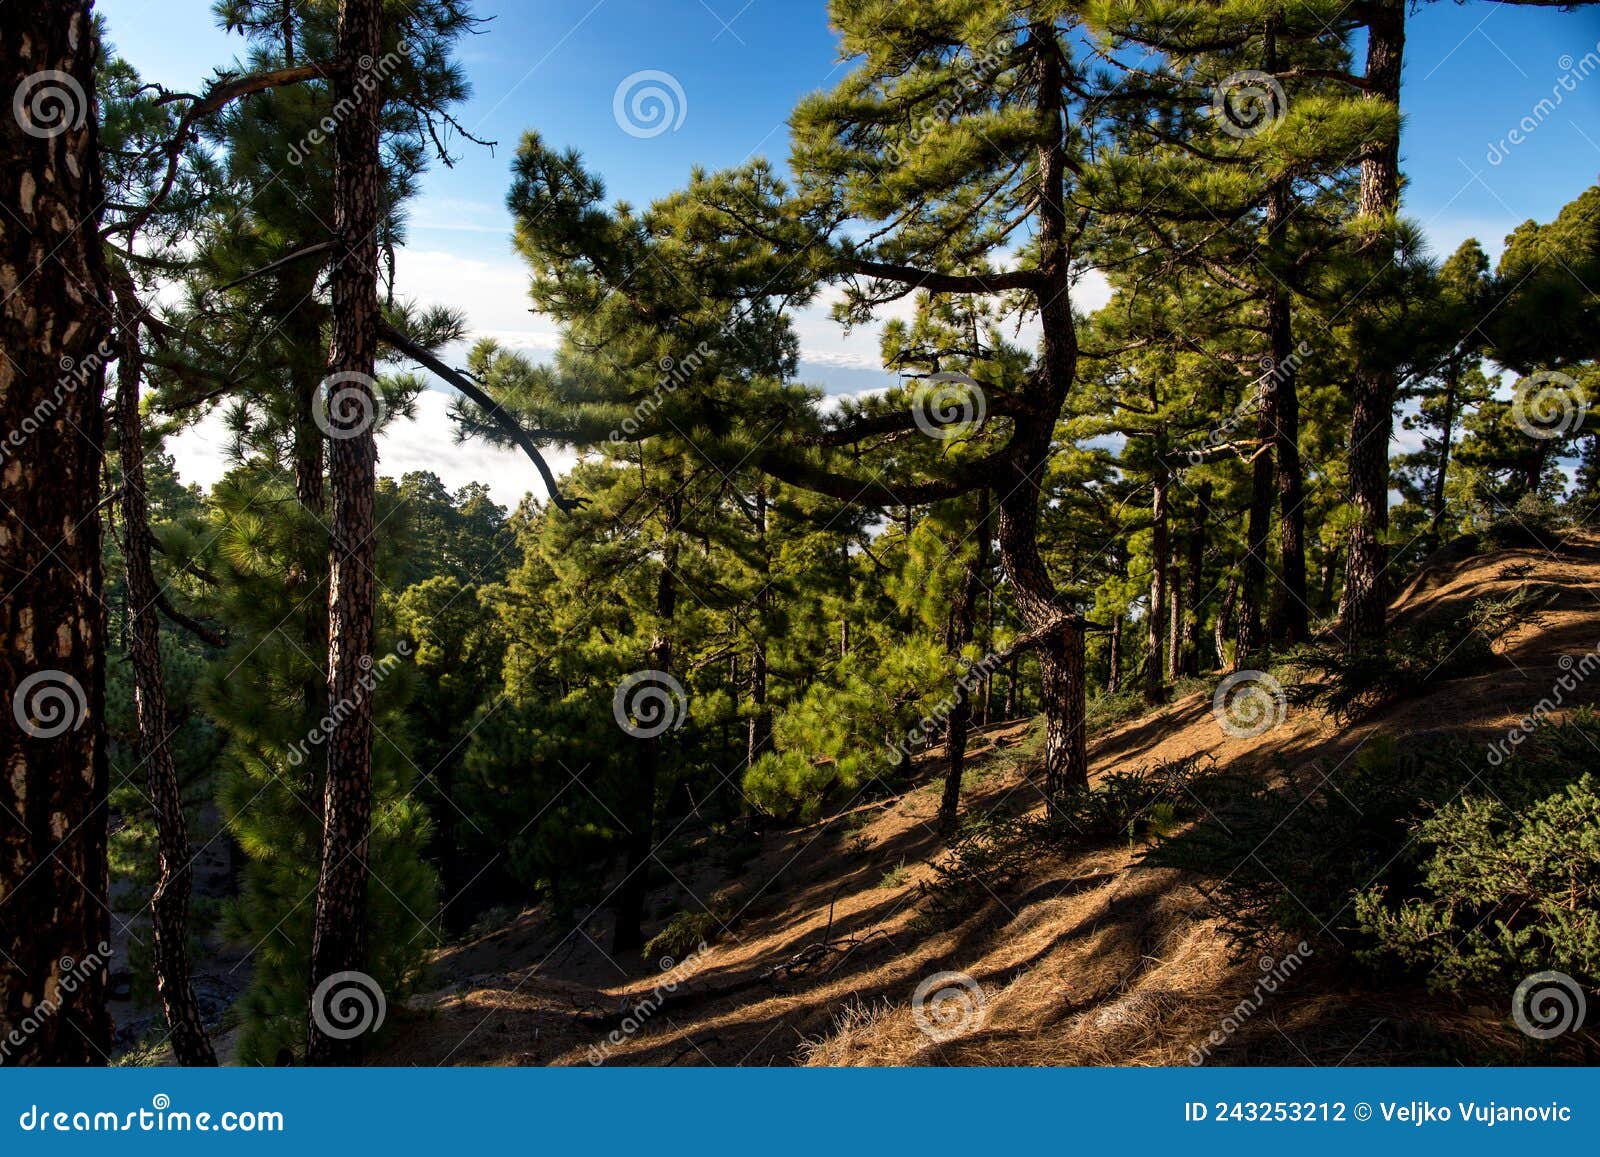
(823, 934)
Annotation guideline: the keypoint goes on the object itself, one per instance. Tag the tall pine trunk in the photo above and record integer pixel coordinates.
(632, 892)
(1447, 428)
(169, 902)
(1174, 624)
(339, 937)
(963, 618)
(1061, 647)
(54, 331)
(760, 731)
(1252, 582)
(1291, 614)
(1189, 646)
(1154, 684)
(1372, 418)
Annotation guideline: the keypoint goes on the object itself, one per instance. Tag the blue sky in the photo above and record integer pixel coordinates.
(1473, 72)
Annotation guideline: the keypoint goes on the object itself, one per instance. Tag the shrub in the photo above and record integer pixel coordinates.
(1433, 859)
(683, 935)
(1505, 893)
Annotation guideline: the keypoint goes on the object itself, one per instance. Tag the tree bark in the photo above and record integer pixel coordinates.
(963, 619)
(1174, 624)
(1061, 653)
(169, 902)
(1291, 615)
(54, 330)
(1190, 645)
(1372, 417)
(1114, 656)
(339, 937)
(760, 732)
(1224, 619)
(628, 935)
(1252, 584)
(1447, 424)
(1154, 684)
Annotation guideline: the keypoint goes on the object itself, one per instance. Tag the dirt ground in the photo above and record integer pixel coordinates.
(1089, 959)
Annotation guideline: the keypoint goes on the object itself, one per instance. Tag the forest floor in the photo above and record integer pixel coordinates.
(1088, 958)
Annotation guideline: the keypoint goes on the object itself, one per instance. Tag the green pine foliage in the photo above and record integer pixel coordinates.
(268, 790)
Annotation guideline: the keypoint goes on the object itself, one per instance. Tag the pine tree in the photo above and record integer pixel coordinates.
(55, 328)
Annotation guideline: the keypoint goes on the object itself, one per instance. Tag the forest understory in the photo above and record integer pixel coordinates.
(815, 937)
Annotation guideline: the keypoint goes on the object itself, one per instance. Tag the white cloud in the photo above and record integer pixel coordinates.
(493, 294)
(425, 442)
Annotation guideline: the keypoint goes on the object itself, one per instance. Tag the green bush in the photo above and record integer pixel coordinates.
(684, 935)
(1505, 892)
(1434, 860)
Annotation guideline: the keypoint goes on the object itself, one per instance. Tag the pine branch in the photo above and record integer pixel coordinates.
(508, 424)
